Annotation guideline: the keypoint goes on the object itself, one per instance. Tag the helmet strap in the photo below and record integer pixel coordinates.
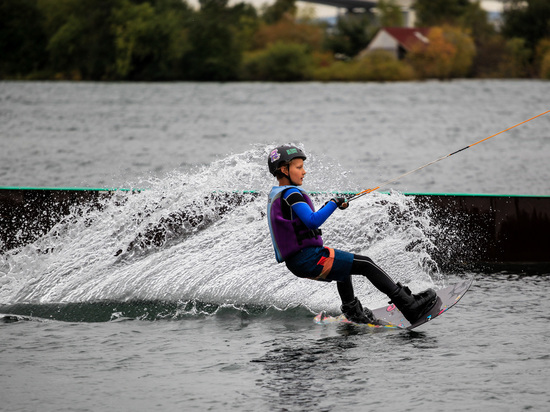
(290, 180)
(288, 175)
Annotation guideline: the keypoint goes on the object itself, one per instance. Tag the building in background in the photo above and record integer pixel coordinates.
(397, 40)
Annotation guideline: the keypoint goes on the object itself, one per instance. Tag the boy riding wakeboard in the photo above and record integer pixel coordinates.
(294, 226)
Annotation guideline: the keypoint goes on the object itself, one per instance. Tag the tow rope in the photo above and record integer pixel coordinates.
(366, 191)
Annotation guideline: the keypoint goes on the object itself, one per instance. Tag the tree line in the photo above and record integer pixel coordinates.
(154, 40)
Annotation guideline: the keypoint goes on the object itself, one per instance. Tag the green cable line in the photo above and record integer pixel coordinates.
(92, 189)
(73, 189)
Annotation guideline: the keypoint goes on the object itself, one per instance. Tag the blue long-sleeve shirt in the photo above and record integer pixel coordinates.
(313, 220)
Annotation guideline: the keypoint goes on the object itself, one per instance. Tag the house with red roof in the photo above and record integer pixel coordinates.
(397, 40)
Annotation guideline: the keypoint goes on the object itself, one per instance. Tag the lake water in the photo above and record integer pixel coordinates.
(204, 319)
(109, 134)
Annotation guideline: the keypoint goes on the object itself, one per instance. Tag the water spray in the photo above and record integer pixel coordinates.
(366, 191)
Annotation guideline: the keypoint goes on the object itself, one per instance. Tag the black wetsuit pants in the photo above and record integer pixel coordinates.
(363, 265)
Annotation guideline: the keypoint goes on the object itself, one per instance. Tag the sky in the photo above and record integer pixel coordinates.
(320, 10)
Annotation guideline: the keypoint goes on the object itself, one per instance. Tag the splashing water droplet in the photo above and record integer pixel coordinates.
(202, 235)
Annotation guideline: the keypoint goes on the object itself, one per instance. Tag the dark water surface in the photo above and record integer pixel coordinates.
(489, 353)
(97, 316)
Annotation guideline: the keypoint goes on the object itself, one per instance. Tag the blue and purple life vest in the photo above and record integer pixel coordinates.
(289, 236)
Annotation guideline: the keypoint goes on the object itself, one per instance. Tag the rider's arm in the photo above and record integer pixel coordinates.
(311, 219)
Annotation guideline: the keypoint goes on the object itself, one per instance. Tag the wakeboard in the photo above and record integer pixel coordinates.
(390, 317)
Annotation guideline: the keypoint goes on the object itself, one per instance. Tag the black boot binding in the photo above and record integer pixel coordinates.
(355, 313)
(413, 306)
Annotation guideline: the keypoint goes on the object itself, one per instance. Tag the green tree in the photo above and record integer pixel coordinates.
(380, 65)
(542, 52)
(22, 38)
(517, 61)
(490, 54)
(439, 12)
(527, 19)
(132, 24)
(465, 50)
(215, 55)
(389, 13)
(82, 43)
(288, 30)
(149, 43)
(545, 67)
(352, 34)
(476, 20)
(279, 62)
(272, 14)
(436, 59)
(245, 22)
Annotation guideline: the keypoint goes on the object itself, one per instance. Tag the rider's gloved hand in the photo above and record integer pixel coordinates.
(341, 202)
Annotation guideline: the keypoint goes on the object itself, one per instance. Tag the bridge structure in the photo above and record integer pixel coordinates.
(367, 6)
(350, 5)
